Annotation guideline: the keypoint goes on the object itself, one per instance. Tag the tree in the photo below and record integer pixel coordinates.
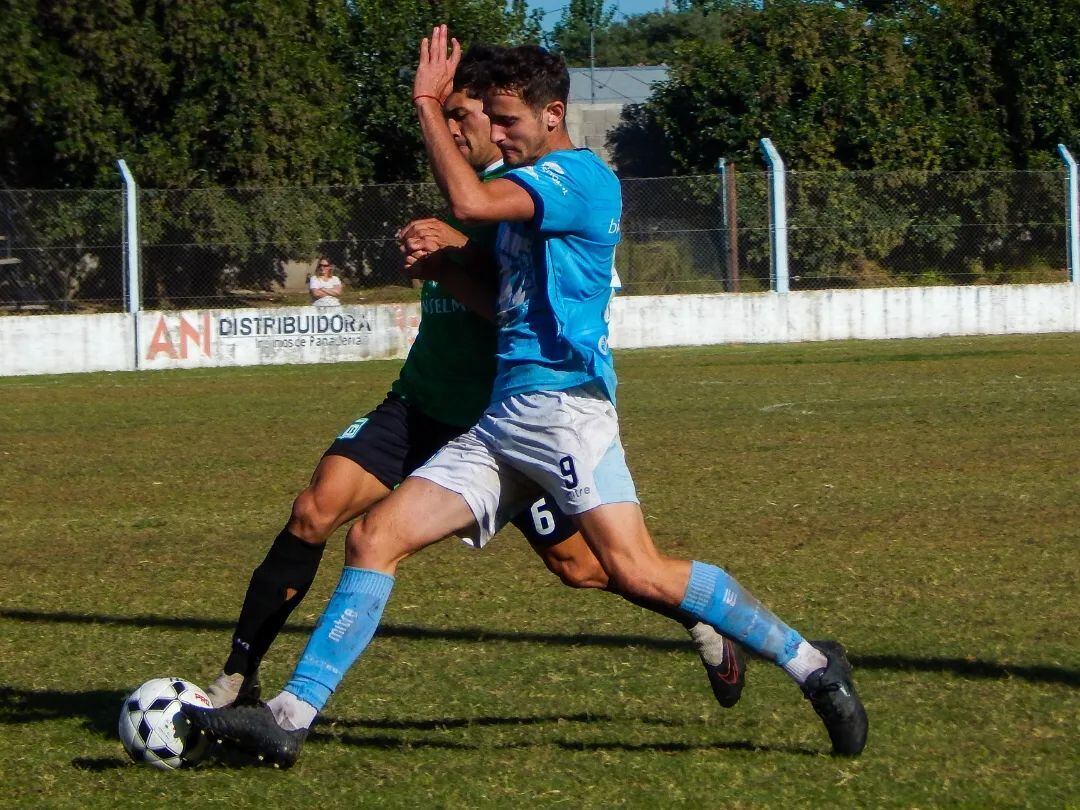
(384, 42)
(191, 94)
(656, 37)
(204, 95)
(582, 21)
(910, 88)
(1035, 55)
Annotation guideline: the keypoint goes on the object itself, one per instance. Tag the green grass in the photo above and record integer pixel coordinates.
(919, 500)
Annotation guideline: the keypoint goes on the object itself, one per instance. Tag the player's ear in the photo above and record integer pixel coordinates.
(554, 113)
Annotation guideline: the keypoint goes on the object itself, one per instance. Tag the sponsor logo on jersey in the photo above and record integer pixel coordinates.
(555, 173)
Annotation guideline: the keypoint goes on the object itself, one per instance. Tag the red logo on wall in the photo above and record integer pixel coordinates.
(162, 341)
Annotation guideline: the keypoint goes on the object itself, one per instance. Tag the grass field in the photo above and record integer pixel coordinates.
(919, 500)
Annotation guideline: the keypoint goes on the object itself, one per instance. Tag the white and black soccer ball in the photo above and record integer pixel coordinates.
(153, 729)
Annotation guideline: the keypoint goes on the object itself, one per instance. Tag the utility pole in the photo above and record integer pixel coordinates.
(592, 53)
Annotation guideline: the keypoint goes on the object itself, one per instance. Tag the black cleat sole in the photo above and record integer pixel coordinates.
(252, 730)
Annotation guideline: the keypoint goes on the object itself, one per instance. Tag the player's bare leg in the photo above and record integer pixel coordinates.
(417, 514)
(617, 534)
(574, 563)
(339, 490)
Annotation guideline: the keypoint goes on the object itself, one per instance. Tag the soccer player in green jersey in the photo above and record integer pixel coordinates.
(442, 390)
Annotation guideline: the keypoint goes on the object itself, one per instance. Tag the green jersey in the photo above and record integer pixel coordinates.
(451, 365)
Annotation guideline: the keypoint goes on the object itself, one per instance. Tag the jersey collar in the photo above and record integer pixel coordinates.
(494, 167)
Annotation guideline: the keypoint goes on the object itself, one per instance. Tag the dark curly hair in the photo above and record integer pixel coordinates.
(471, 69)
(529, 71)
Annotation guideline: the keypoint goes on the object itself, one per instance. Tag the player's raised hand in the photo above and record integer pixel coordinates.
(436, 67)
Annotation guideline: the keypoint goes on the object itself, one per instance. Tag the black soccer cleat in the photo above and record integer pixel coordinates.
(250, 728)
(727, 679)
(832, 694)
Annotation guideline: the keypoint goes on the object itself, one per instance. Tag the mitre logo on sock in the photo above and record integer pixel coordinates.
(342, 624)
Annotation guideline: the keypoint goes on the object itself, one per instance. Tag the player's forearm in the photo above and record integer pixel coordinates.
(475, 294)
(455, 177)
(475, 290)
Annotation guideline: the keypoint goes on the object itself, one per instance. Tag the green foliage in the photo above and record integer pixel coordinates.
(581, 21)
(959, 85)
(665, 266)
(385, 37)
(641, 39)
(910, 90)
(191, 94)
(1035, 54)
(257, 93)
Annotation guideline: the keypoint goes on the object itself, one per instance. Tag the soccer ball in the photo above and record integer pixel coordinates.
(154, 731)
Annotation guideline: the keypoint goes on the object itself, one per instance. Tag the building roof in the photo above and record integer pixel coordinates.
(615, 85)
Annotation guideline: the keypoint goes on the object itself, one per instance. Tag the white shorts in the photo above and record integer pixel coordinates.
(563, 443)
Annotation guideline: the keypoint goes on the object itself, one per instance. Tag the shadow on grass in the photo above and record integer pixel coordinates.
(463, 722)
(98, 708)
(965, 667)
(388, 742)
(330, 731)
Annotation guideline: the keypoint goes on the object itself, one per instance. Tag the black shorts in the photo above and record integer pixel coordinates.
(396, 438)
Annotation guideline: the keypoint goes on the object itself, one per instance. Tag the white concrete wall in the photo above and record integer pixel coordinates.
(54, 344)
(589, 125)
(688, 320)
(59, 344)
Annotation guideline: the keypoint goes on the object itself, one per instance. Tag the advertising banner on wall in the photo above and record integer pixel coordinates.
(249, 337)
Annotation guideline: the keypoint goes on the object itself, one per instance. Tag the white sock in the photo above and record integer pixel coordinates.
(291, 713)
(709, 643)
(807, 660)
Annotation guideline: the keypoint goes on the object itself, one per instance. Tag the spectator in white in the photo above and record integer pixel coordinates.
(324, 286)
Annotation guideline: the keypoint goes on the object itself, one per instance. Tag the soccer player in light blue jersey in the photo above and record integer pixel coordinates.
(551, 425)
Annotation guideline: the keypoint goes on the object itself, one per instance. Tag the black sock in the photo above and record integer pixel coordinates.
(276, 588)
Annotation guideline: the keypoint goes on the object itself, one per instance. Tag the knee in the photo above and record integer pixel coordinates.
(310, 520)
(368, 544)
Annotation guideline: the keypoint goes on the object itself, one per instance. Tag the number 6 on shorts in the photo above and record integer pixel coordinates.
(543, 520)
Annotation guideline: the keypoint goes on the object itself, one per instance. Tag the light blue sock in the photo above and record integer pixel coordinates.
(714, 597)
(342, 633)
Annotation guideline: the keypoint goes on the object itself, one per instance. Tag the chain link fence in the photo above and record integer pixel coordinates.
(63, 250)
(881, 229)
(229, 247)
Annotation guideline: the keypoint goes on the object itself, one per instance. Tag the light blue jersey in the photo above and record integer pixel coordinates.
(555, 277)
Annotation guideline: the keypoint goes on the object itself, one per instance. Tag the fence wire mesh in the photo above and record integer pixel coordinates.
(878, 229)
(63, 250)
(223, 247)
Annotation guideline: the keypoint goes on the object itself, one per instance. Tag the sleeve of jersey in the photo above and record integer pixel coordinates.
(558, 198)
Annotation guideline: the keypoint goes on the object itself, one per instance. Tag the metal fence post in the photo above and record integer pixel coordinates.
(131, 252)
(730, 222)
(778, 227)
(1072, 217)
